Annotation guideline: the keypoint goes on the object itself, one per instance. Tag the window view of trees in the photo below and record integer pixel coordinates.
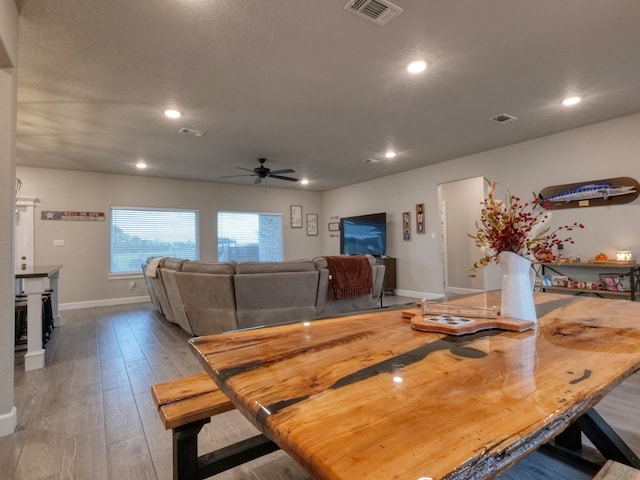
(137, 234)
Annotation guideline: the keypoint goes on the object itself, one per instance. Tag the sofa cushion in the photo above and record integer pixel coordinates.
(272, 298)
(226, 268)
(209, 301)
(172, 264)
(304, 265)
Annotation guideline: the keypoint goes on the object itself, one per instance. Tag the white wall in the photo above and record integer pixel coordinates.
(85, 256)
(8, 96)
(605, 150)
(608, 149)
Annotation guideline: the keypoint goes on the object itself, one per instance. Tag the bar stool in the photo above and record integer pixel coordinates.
(47, 317)
(20, 323)
(21, 318)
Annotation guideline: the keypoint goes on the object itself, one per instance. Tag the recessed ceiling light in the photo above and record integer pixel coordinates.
(141, 165)
(172, 113)
(390, 154)
(571, 101)
(417, 67)
(304, 181)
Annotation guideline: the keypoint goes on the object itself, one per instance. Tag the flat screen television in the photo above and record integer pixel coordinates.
(364, 234)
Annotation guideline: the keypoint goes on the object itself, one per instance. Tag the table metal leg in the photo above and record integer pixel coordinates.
(185, 451)
(606, 440)
(568, 444)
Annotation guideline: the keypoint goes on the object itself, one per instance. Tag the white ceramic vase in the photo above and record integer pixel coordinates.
(517, 287)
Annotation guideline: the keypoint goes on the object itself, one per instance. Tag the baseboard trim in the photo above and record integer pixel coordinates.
(8, 422)
(463, 291)
(410, 293)
(103, 303)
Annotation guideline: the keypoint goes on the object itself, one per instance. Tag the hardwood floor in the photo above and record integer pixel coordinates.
(89, 414)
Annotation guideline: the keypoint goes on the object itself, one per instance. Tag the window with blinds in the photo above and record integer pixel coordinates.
(139, 233)
(249, 236)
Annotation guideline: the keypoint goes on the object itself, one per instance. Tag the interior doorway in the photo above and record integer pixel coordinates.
(460, 206)
(24, 222)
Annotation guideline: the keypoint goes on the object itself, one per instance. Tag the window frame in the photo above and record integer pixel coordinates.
(280, 215)
(136, 273)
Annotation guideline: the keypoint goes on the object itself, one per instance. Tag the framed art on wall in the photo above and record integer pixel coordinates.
(312, 224)
(296, 216)
(334, 227)
(420, 218)
(406, 226)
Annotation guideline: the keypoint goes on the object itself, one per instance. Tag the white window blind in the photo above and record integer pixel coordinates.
(138, 233)
(249, 236)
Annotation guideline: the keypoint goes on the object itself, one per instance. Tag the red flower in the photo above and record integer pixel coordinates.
(513, 226)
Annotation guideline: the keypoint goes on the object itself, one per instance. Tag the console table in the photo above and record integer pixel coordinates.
(33, 281)
(586, 268)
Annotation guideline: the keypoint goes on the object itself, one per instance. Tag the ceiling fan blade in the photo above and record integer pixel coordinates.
(231, 176)
(278, 172)
(291, 179)
(246, 169)
(258, 180)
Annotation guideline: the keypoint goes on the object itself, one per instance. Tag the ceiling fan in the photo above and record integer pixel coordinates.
(264, 172)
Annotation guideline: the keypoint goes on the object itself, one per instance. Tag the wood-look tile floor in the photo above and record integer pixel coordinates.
(89, 414)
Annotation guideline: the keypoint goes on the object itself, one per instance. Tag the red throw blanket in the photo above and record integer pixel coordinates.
(349, 276)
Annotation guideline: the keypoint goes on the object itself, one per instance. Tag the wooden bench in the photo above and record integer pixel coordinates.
(617, 471)
(187, 404)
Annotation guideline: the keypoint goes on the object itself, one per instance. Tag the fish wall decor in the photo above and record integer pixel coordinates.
(609, 191)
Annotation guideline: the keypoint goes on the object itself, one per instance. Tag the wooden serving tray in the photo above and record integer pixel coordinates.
(455, 325)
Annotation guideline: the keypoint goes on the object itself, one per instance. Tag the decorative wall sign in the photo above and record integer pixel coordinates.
(334, 227)
(406, 226)
(75, 216)
(595, 193)
(312, 224)
(420, 218)
(296, 216)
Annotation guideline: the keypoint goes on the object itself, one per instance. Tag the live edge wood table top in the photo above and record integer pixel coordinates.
(367, 397)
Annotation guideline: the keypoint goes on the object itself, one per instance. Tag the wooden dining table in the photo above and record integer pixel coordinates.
(368, 397)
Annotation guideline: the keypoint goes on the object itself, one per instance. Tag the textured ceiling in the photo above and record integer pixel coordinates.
(309, 85)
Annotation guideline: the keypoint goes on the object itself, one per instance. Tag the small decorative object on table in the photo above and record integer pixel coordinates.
(510, 233)
(460, 320)
(624, 256)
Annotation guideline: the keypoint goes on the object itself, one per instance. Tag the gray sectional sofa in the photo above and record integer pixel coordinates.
(205, 298)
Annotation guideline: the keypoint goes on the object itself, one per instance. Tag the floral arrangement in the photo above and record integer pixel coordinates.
(512, 225)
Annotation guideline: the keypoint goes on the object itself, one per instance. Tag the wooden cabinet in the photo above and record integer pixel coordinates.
(389, 283)
(582, 276)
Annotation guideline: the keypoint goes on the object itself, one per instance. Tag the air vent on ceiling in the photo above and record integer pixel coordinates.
(192, 131)
(503, 118)
(379, 12)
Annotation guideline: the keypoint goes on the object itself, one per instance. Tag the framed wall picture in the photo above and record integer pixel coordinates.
(406, 226)
(296, 216)
(420, 219)
(312, 224)
(334, 226)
